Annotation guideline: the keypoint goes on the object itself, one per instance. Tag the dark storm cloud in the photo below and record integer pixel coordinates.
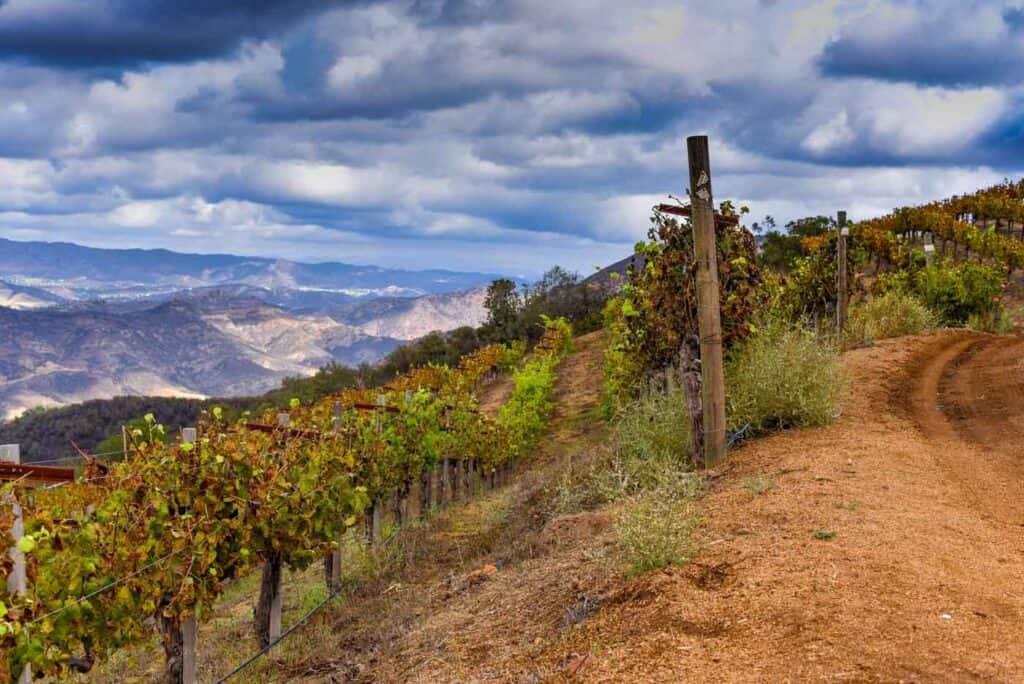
(918, 58)
(122, 33)
(290, 128)
(462, 11)
(953, 45)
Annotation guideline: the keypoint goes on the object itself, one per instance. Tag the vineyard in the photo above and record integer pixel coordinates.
(988, 223)
(156, 540)
(160, 535)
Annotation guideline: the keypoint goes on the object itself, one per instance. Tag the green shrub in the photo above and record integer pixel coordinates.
(993, 321)
(563, 328)
(512, 354)
(656, 426)
(758, 485)
(782, 377)
(954, 292)
(620, 473)
(656, 530)
(622, 369)
(525, 412)
(960, 292)
(890, 315)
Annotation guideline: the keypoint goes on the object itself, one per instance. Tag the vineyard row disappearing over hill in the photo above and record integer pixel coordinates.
(1003, 205)
(160, 534)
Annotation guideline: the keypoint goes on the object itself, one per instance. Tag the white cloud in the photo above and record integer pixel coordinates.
(542, 133)
(834, 134)
(349, 71)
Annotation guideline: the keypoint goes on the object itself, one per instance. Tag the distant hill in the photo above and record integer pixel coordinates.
(22, 297)
(73, 272)
(51, 357)
(205, 343)
(604, 277)
(410, 318)
(79, 323)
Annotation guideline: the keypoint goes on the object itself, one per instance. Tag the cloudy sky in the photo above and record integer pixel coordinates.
(485, 134)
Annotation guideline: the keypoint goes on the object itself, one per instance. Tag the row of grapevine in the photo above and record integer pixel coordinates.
(946, 220)
(160, 534)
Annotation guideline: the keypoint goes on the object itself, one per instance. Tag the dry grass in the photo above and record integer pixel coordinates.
(783, 378)
(893, 314)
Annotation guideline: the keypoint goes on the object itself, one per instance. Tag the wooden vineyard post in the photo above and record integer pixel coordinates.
(268, 609)
(377, 521)
(268, 606)
(179, 635)
(414, 498)
(842, 286)
(434, 485)
(690, 367)
(17, 580)
(425, 494)
(334, 557)
(458, 492)
(708, 303)
(189, 435)
(446, 481)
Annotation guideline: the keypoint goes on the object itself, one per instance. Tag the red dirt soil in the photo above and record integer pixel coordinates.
(923, 579)
(921, 480)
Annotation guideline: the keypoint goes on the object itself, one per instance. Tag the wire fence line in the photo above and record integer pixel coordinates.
(244, 665)
(106, 587)
(76, 458)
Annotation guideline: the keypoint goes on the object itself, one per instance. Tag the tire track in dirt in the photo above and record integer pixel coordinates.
(921, 582)
(968, 401)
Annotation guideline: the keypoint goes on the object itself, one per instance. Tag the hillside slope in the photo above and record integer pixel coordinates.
(920, 481)
(180, 348)
(922, 580)
(920, 583)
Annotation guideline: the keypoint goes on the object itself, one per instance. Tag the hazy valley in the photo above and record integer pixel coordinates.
(79, 323)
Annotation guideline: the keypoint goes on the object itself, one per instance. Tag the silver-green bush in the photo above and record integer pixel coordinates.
(783, 377)
(656, 530)
(656, 426)
(890, 315)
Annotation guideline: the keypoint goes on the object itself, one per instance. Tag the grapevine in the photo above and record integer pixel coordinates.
(158, 534)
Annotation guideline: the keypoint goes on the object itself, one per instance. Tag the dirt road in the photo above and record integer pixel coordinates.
(922, 484)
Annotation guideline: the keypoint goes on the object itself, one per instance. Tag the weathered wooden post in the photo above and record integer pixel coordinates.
(334, 557)
(189, 435)
(455, 472)
(17, 580)
(430, 490)
(842, 286)
(377, 521)
(446, 481)
(689, 362)
(179, 635)
(708, 303)
(268, 607)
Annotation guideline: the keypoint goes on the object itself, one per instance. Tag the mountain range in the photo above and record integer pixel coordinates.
(73, 272)
(79, 323)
